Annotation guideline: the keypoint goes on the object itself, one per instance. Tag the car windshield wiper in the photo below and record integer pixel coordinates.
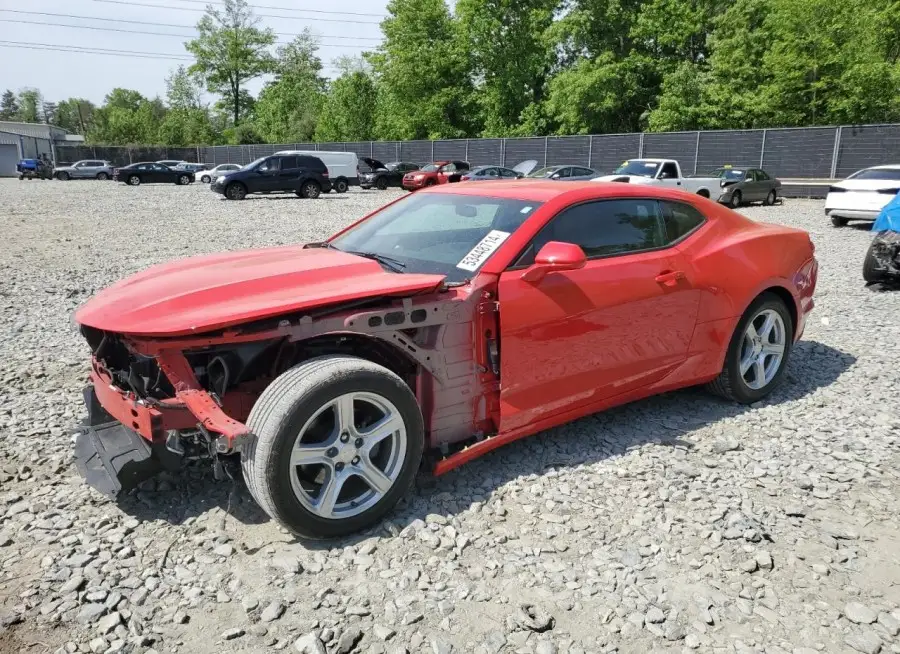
(322, 244)
(392, 264)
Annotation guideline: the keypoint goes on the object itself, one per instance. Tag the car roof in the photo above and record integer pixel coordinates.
(544, 191)
(884, 167)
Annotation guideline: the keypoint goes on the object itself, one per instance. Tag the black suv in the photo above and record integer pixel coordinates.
(303, 175)
(373, 173)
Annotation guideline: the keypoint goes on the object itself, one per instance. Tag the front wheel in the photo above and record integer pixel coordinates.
(381, 183)
(205, 179)
(133, 180)
(837, 221)
(770, 199)
(337, 441)
(102, 176)
(309, 190)
(735, 200)
(341, 185)
(62, 176)
(183, 180)
(758, 352)
(235, 191)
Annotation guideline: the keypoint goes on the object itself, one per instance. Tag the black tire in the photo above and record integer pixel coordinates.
(381, 183)
(871, 271)
(837, 221)
(736, 199)
(310, 190)
(730, 384)
(235, 191)
(133, 180)
(205, 179)
(279, 416)
(341, 185)
(102, 176)
(430, 182)
(182, 180)
(63, 177)
(770, 198)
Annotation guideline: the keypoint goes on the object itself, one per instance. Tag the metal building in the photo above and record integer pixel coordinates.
(29, 141)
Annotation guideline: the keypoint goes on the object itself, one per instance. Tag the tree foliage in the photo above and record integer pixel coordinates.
(348, 112)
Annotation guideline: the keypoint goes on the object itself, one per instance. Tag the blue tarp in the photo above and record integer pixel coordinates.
(889, 218)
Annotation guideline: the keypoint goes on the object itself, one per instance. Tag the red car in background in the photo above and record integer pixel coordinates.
(451, 321)
(439, 172)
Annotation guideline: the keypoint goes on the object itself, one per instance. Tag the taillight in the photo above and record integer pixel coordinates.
(325, 174)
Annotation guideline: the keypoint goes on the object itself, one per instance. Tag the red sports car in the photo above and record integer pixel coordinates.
(439, 172)
(454, 320)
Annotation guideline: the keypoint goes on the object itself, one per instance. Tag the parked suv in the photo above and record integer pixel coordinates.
(87, 169)
(439, 172)
(304, 175)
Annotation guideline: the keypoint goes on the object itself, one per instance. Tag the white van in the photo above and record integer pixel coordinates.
(341, 167)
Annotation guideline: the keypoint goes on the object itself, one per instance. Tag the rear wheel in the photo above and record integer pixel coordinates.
(770, 199)
(62, 176)
(337, 441)
(133, 180)
(183, 180)
(381, 183)
(758, 352)
(235, 191)
(205, 179)
(735, 200)
(837, 221)
(341, 185)
(309, 190)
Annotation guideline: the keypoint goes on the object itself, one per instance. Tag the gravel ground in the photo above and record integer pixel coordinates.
(680, 523)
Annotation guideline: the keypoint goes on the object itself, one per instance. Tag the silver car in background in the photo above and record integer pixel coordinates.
(210, 176)
(86, 169)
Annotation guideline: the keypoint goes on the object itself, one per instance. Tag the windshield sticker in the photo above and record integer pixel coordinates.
(480, 253)
(525, 209)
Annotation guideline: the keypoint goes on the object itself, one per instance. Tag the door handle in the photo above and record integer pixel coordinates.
(670, 277)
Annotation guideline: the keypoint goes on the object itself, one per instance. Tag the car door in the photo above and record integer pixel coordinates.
(446, 171)
(749, 187)
(668, 175)
(289, 173)
(265, 179)
(582, 173)
(579, 337)
(79, 170)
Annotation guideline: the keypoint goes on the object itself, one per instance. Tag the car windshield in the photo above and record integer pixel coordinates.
(438, 233)
(729, 174)
(543, 172)
(638, 168)
(891, 174)
(254, 164)
(430, 168)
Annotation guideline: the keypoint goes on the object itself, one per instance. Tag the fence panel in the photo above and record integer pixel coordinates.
(573, 150)
(681, 146)
(804, 152)
(739, 148)
(485, 152)
(868, 145)
(515, 151)
(359, 148)
(257, 151)
(455, 149)
(415, 151)
(608, 151)
(386, 151)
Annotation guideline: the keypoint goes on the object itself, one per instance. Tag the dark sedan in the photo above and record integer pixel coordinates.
(374, 174)
(152, 173)
(745, 185)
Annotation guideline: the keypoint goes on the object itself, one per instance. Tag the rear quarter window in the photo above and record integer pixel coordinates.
(680, 220)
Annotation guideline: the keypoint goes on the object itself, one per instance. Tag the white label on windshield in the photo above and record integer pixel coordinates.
(480, 253)
(525, 210)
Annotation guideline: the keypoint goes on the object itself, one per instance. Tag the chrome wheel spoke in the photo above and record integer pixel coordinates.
(773, 348)
(746, 362)
(328, 493)
(310, 454)
(759, 370)
(375, 478)
(768, 325)
(344, 414)
(762, 351)
(751, 332)
(387, 426)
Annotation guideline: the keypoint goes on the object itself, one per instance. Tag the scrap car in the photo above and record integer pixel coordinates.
(440, 327)
(745, 185)
(881, 264)
(439, 172)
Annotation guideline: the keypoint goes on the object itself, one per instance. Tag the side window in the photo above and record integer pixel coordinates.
(607, 227)
(269, 165)
(669, 171)
(449, 168)
(762, 176)
(680, 219)
(288, 163)
(492, 172)
(562, 173)
(583, 172)
(506, 172)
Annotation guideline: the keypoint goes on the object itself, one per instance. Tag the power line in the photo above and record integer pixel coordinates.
(113, 29)
(154, 24)
(281, 16)
(303, 10)
(77, 49)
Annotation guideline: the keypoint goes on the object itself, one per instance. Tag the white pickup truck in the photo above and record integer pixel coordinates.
(663, 172)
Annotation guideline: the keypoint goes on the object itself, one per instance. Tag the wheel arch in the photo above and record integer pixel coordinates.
(703, 192)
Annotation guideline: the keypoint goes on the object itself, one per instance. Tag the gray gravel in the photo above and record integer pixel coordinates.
(680, 523)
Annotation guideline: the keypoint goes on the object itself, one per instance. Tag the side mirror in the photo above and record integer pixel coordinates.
(555, 256)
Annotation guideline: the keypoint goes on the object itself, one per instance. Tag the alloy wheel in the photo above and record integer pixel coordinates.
(762, 349)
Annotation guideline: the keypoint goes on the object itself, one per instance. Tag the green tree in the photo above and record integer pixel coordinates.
(423, 73)
(184, 90)
(75, 115)
(347, 112)
(511, 55)
(48, 112)
(125, 118)
(231, 50)
(9, 105)
(288, 106)
(30, 103)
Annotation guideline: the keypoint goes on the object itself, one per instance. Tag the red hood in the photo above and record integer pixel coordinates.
(212, 292)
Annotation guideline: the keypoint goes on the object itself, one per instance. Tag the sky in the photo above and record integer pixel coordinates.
(60, 75)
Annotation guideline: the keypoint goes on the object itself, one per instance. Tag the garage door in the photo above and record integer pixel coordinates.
(9, 157)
